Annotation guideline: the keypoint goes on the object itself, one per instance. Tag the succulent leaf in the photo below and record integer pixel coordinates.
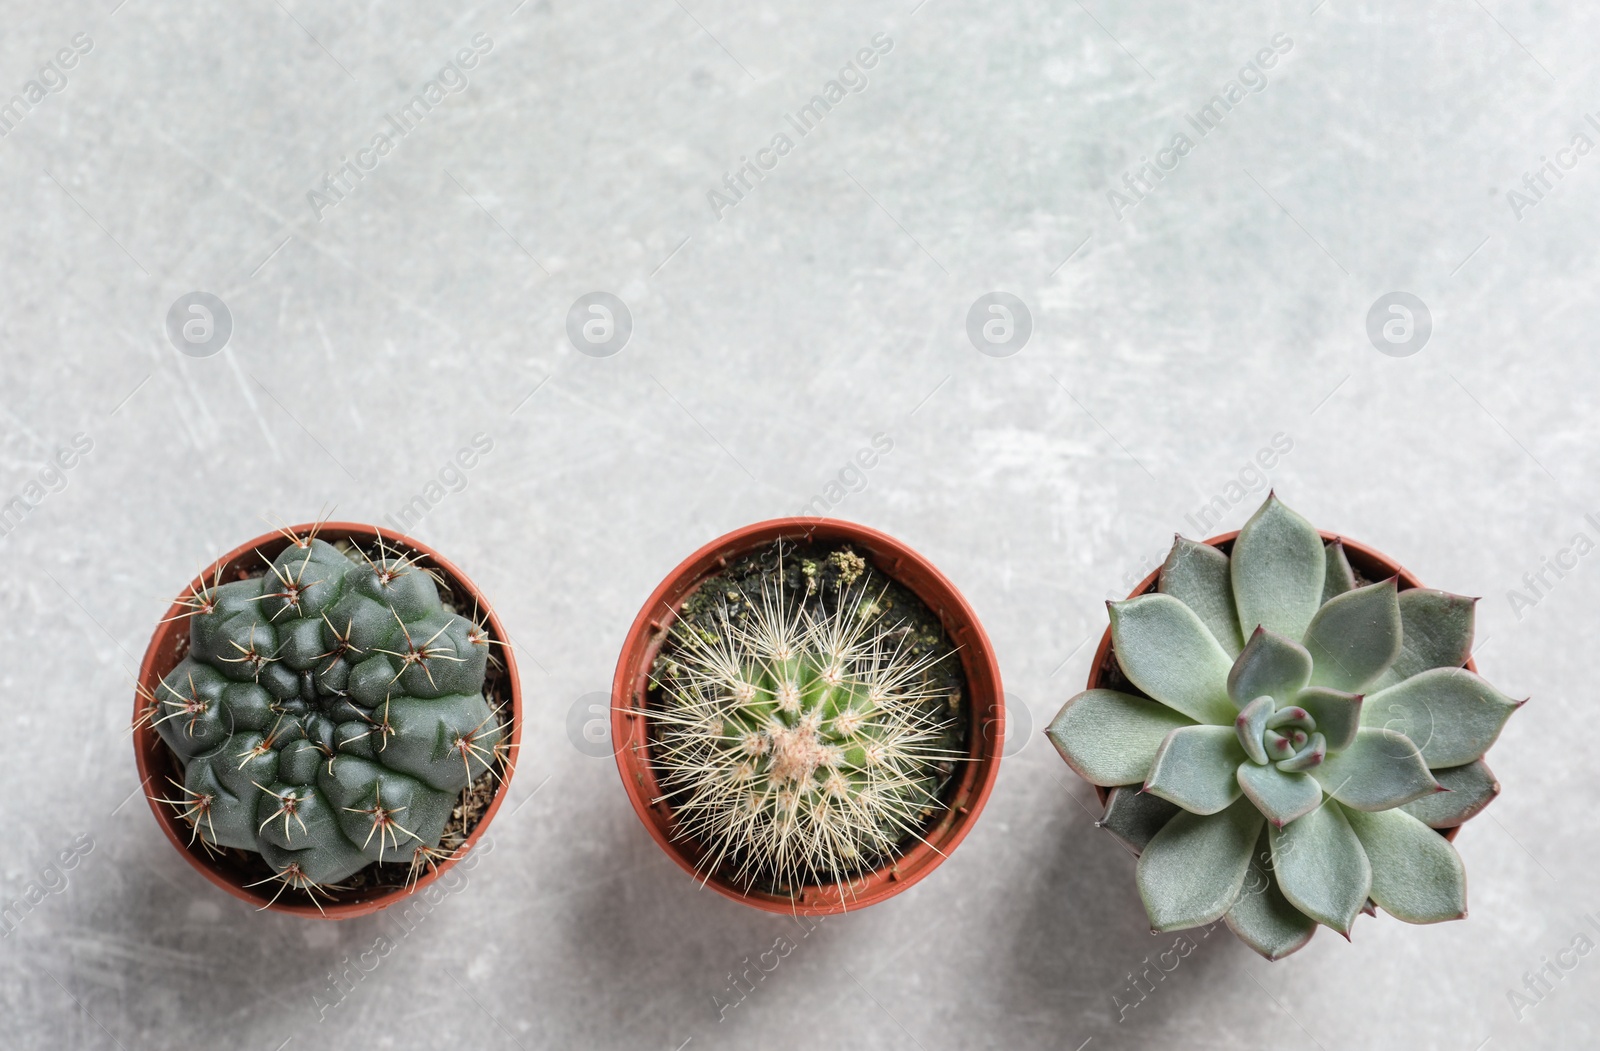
(1197, 575)
(1340, 577)
(1472, 787)
(1191, 872)
(1321, 867)
(1194, 768)
(1278, 747)
(1438, 628)
(1292, 716)
(1262, 917)
(1311, 755)
(1355, 636)
(1381, 769)
(1452, 714)
(1166, 651)
(1337, 715)
(1280, 795)
(1417, 876)
(1135, 817)
(1270, 665)
(1249, 725)
(1109, 737)
(1278, 568)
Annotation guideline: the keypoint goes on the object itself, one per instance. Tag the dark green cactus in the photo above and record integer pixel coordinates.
(328, 713)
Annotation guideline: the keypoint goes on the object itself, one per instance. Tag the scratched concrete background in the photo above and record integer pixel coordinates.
(1172, 333)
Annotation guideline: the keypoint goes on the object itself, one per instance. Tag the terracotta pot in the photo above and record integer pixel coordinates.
(1368, 562)
(984, 706)
(157, 763)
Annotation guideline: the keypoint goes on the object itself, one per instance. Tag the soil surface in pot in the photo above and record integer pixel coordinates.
(818, 576)
(470, 806)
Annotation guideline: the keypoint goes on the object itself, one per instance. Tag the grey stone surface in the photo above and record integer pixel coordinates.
(769, 343)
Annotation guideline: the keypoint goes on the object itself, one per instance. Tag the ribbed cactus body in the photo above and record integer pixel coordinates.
(328, 713)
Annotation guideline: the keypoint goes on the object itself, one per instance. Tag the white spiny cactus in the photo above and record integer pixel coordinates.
(800, 742)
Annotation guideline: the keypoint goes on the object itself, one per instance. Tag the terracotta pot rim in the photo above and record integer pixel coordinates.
(149, 748)
(984, 701)
(1363, 552)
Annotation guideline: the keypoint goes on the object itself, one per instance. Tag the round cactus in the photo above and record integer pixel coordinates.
(328, 713)
(802, 741)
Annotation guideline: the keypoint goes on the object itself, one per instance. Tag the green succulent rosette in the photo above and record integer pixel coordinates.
(1299, 739)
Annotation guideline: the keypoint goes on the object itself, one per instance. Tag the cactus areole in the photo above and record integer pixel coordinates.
(807, 716)
(326, 719)
(1288, 729)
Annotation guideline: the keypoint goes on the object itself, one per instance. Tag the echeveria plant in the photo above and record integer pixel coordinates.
(1300, 737)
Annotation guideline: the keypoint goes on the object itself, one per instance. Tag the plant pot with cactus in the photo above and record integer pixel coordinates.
(807, 716)
(1288, 729)
(326, 719)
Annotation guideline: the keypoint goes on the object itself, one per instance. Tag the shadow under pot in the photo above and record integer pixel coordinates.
(326, 720)
(807, 716)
